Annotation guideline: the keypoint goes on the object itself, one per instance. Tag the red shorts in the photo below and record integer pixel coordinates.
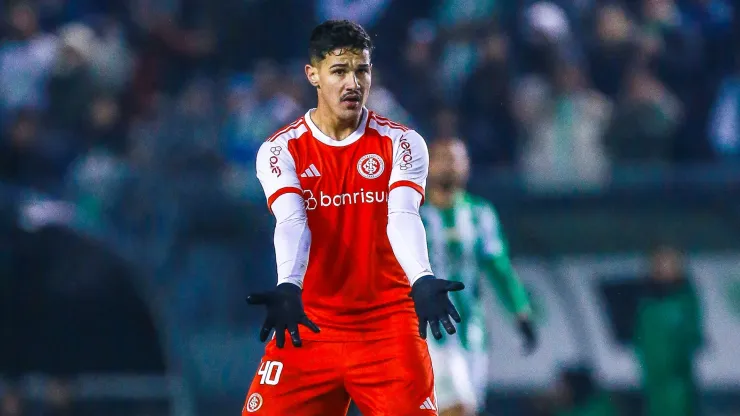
(389, 377)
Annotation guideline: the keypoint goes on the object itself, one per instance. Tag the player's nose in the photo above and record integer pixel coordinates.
(354, 83)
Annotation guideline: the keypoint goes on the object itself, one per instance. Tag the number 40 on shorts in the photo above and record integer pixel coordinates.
(269, 372)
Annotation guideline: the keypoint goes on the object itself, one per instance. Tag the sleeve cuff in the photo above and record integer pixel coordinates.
(413, 279)
(413, 185)
(282, 191)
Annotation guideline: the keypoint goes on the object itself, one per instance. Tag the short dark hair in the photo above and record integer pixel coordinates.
(337, 34)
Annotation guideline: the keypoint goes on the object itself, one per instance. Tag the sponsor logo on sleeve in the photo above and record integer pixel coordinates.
(274, 168)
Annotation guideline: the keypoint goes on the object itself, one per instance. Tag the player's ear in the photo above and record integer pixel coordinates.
(312, 73)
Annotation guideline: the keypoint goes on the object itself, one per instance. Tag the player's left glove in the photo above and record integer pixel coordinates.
(433, 304)
(530, 338)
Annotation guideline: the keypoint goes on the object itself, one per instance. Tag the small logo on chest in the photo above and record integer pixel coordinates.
(370, 166)
(310, 172)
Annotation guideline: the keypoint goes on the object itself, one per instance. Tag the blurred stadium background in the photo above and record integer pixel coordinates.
(132, 224)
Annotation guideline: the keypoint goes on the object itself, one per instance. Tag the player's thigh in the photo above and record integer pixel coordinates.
(391, 377)
(305, 381)
(452, 380)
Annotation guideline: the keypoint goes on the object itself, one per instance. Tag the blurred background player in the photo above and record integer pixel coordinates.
(345, 186)
(668, 333)
(466, 244)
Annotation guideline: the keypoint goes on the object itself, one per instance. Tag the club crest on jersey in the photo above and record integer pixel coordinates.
(370, 166)
(254, 403)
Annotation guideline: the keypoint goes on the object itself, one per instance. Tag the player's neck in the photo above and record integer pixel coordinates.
(333, 126)
(441, 198)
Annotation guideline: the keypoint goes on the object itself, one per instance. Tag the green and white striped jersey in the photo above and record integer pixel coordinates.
(466, 244)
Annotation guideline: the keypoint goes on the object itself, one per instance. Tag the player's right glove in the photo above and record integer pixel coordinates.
(433, 305)
(530, 338)
(284, 311)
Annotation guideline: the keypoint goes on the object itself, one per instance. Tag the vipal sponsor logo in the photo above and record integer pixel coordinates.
(370, 166)
(339, 200)
(275, 150)
(407, 159)
(254, 403)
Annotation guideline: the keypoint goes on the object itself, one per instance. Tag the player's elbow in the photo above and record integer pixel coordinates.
(293, 227)
(402, 214)
(294, 219)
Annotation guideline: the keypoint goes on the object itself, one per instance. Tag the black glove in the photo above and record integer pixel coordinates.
(284, 311)
(527, 331)
(433, 305)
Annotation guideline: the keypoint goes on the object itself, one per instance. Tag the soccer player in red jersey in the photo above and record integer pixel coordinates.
(345, 186)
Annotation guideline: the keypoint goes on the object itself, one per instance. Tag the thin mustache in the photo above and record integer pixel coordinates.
(351, 95)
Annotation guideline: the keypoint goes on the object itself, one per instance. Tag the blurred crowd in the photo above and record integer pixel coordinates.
(561, 91)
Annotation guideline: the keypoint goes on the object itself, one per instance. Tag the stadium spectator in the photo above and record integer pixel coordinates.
(562, 125)
(645, 120)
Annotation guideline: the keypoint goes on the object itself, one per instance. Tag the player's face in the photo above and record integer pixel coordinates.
(667, 265)
(449, 164)
(343, 79)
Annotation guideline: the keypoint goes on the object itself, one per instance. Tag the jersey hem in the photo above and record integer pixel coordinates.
(354, 336)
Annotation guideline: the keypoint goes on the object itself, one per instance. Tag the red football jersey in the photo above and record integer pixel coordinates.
(354, 288)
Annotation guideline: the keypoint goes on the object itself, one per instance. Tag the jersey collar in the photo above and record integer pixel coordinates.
(323, 138)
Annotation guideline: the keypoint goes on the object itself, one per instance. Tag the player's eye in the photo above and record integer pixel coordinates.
(339, 72)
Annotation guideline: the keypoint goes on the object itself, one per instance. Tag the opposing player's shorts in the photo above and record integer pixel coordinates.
(390, 377)
(478, 362)
(452, 375)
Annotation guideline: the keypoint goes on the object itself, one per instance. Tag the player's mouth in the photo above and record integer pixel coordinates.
(352, 101)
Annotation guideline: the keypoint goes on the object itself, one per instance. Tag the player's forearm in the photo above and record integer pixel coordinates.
(406, 233)
(507, 284)
(292, 238)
